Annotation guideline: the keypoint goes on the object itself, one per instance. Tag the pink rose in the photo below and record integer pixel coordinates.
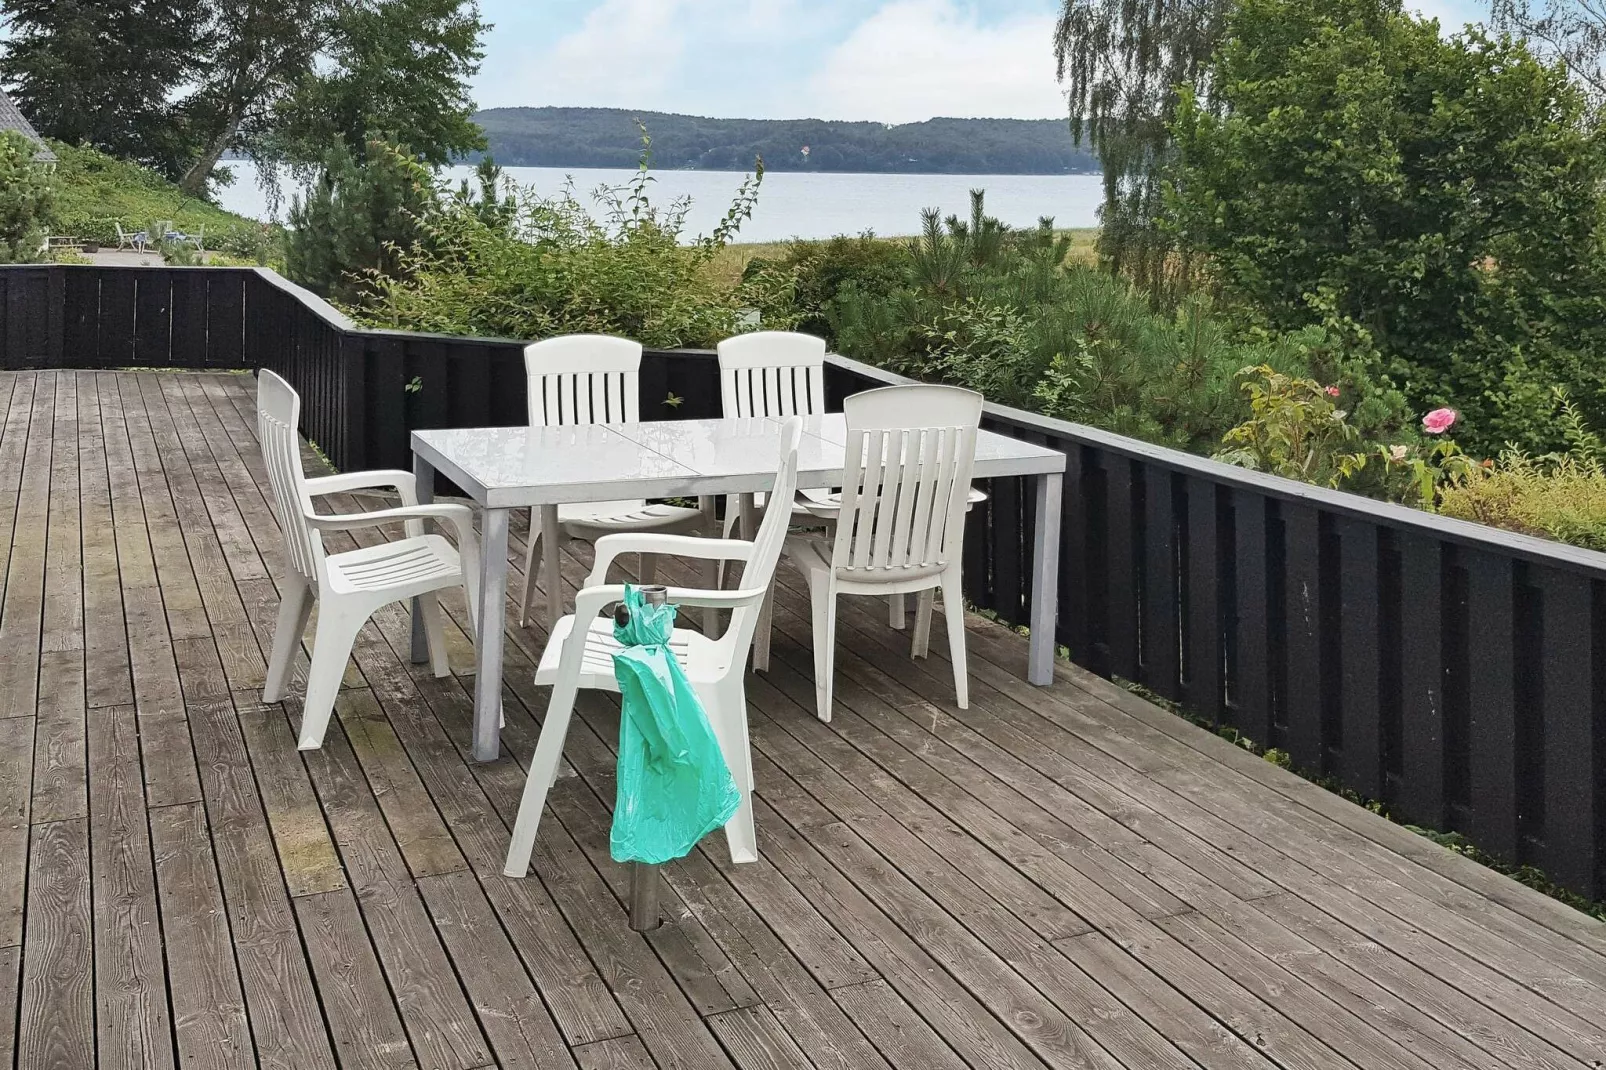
(1332, 391)
(1438, 421)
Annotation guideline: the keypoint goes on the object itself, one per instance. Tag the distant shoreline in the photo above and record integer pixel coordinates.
(612, 138)
(771, 169)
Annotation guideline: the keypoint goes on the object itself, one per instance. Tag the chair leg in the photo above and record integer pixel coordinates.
(727, 715)
(430, 609)
(532, 543)
(338, 624)
(953, 609)
(543, 769)
(921, 646)
(763, 631)
(294, 610)
(897, 612)
(823, 602)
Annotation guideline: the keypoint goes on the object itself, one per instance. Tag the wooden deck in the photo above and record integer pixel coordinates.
(1064, 877)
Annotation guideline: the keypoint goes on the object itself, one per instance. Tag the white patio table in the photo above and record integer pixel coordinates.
(508, 468)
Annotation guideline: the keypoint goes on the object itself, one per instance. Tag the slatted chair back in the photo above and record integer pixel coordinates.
(910, 451)
(772, 373)
(583, 379)
(278, 416)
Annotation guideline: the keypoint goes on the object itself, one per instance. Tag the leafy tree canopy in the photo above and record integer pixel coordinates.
(1445, 196)
(177, 85)
(1122, 63)
(1572, 30)
(101, 73)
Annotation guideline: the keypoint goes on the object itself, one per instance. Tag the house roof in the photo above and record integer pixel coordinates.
(12, 119)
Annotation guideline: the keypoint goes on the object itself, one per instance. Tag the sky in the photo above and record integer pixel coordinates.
(893, 61)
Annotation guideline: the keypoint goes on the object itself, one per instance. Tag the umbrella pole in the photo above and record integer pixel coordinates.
(644, 913)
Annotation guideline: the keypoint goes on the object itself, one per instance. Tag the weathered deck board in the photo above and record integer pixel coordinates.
(1065, 877)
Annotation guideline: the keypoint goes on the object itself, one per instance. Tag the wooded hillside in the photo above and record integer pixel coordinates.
(607, 137)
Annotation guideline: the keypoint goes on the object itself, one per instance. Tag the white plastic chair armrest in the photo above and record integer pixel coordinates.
(345, 482)
(461, 517)
(610, 547)
(589, 602)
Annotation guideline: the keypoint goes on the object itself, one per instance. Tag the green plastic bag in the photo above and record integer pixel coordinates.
(673, 785)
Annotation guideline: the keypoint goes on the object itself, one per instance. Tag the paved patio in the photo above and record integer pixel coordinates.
(1063, 877)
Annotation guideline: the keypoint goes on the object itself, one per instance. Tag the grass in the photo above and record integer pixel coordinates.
(729, 263)
(94, 191)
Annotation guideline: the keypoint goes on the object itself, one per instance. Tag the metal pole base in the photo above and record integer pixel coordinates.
(644, 914)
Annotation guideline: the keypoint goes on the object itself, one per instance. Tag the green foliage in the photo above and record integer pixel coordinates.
(1002, 311)
(1295, 429)
(550, 265)
(1555, 498)
(360, 221)
(605, 137)
(1443, 195)
(822, 269)
(26, 191)
(1572, 30)
(1559, 496)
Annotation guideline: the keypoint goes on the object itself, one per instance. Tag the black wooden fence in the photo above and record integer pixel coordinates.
(1452, 671)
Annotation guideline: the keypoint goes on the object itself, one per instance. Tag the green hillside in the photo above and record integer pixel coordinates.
(607, 137)
(94, 191)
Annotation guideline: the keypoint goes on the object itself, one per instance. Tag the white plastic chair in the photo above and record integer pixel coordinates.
(576, 658)
(826, 506)
(901, 529)
(349, 586)
(589, 379)
(772, 373)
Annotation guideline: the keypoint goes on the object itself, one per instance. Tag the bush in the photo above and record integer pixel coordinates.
(1297, 430)
(821, 270)
(359, 222)
(549, 265)
(26, 192)
(1561, 498)
(1002, 312)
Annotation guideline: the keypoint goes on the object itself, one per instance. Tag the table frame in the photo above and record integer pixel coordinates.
(491, 623)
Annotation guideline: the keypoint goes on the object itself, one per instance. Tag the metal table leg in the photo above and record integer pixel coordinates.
(552, 565)
(424, 478)
(1045, 578)
(488, 647)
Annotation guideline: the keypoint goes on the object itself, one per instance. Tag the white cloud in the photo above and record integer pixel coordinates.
(914, 59)
(888, 60)
(623, 53)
